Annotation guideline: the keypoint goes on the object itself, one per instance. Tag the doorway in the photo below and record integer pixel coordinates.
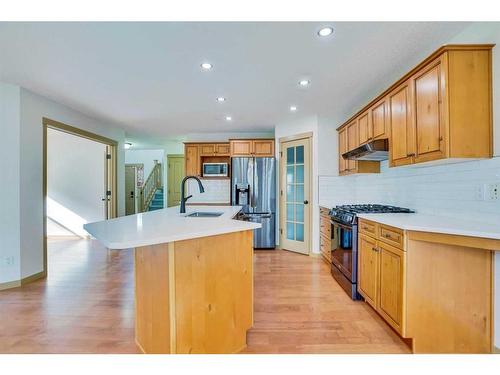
(134, 175)
(80, 185)
(175, 174)
(295, 193)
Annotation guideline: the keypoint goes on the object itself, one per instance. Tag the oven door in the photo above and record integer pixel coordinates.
(344, 248)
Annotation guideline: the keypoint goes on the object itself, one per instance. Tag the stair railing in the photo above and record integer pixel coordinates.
(152, 183)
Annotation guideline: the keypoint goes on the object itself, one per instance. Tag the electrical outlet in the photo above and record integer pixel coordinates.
(492, 192)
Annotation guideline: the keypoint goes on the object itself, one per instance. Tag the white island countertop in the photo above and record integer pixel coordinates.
(166, 225)
(436, 224)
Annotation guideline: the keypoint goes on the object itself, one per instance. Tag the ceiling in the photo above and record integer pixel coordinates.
(147, 76)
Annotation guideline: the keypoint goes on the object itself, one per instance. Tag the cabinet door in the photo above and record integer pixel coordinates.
(368, 269)
(222, 149)
(342, 149)
(263, 148)
(241, 148)
(352, 143)
(364, 129)
(207, 149)
(192, 160)
(402, 140)
(378, 116)
(429, 122)
(391, 285)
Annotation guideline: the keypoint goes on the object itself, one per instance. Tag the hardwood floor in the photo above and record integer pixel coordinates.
(86, 305)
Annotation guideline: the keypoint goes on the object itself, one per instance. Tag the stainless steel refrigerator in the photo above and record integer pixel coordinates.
(253, 186)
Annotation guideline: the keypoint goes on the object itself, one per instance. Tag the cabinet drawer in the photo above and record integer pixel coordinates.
(392, 236)
(368, 227)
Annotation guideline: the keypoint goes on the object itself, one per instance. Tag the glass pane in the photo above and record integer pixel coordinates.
(300, 155)
(299, 228)
(289, 175)
(289, 231)
(289, 212)
(300, 193)
(290, 157)
(300, 173)
(299, 213)
(290, 192)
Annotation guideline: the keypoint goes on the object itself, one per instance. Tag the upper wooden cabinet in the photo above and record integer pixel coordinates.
(365, 131)
(378, 115)
(222, 149)
(197, 152)
(192, 160)
(343, 165)
(441, 109)
(401, 142)
(252, 147)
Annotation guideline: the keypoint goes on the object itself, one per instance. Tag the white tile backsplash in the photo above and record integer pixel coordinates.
(216, 191)
(447, 190)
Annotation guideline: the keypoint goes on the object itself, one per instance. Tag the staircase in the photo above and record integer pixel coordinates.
(157, 202)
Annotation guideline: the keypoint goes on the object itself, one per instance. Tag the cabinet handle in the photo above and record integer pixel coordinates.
(387, 235)
(412, 154)
(375, 249)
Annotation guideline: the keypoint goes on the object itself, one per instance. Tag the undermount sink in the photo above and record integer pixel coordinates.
(204, 214)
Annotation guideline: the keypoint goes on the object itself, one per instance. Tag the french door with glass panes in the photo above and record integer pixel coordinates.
(295, 195)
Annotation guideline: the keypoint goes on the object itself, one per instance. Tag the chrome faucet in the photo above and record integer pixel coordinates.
(183, 198)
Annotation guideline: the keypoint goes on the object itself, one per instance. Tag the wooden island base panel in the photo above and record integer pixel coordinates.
(196, 295)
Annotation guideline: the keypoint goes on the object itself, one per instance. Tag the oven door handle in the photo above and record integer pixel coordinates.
(341, 225)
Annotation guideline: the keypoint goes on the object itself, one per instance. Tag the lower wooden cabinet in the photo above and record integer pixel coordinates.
(434, 289)
(391, 281)
(381, 271)
(325, 234)
(368, 269)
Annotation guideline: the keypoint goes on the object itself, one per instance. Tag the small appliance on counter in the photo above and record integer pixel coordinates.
(344, 236)
(253, 186)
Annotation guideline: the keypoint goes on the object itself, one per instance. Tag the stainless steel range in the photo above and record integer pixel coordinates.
(344, 236)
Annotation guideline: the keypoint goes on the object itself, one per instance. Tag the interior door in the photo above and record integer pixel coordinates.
(175, 174)
(130, 189)
(295, 195)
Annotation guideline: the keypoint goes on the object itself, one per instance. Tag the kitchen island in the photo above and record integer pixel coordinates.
(193, 277)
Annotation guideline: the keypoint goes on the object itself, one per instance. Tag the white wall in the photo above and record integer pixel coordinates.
(447, 190)
(29, 154)
(295, 127)
(75, 178)
(10, 102)
(146, 157)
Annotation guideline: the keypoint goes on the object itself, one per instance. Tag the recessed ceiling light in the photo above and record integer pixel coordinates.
(206, 66)
(293, 108)
(325, 31)
(228, 118)
(304, 82)
(127, 145)
(221, 99)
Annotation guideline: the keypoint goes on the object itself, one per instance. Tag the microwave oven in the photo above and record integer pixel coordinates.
(215, 169)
